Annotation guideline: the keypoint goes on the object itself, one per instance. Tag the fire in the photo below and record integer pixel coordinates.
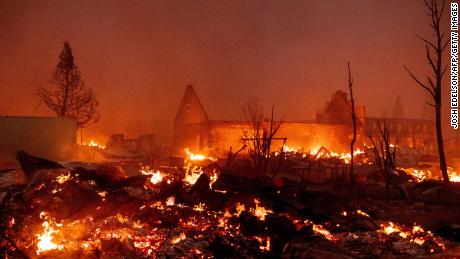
(212, 179)
(199, 207)
(416, 235)
(265, 245)
(170, 201)
(346, 157)
(321, 230)
(288, 149)
(157, 176)
(239, 208)
(122, 219)
(392, 228)
(197, 157)
(102, 194)
(63, 178)
(453, 175)
(93, 143)
(46, 241)
(421, 175)
(192, 174)
(179, 238)
(259, 211)
(362, 213)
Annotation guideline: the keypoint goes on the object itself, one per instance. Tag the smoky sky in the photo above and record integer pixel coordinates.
(138, 56)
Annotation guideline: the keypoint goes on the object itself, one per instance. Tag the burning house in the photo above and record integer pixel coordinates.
(193, 128)
(332, 129)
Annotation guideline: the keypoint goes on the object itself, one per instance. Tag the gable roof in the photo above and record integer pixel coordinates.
(190, 109)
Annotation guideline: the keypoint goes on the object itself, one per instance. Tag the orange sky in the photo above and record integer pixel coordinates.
(138, 56)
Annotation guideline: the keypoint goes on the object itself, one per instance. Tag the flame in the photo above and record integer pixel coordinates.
(453, 175)
(46, 241)
(179, 238)
(212, 179)
(197, 157)
(421, 175)
(321, 230)
(416, 235)
(259, 211)
(122, 219)
(170, 201)
(93, 143)
(362, 213)
(288, 149)
(199, 207)
(63, 178)
(157, 176)
(239, 208)
(192, 174)
(392, 228)
(102, 194)
(264, 244)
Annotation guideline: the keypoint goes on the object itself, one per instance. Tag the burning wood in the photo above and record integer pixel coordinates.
(140, 217)
(95, 144)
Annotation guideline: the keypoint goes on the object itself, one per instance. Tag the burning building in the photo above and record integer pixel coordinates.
(332, 129)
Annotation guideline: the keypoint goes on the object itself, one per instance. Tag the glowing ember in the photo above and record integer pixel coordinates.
(391, 228)
(199, 207)
(63, 178)
(239, 208)
(196, 157)
(321, 230)
(264, 243)
(46, 242)
(179, 238)
(424, 174)
(11, 222)
(157, 176)
(192, 174)
(122, 219)
(212, 179)
(288, 149)
(453, 175)
(259, 211)
(170, 201)
(362, 213)
(93, 143)
(102, 194)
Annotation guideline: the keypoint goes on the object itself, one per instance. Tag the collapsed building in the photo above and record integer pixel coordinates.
(120, 147)
(332, 128)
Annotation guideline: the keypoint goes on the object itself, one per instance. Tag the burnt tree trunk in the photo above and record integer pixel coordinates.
(439, 138)
(353, 116)
(433, 85)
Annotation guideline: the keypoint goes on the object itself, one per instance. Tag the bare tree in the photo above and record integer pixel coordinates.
(433, 84)
(353, 117)
(69, 96)
(385, 158)
(260, 135)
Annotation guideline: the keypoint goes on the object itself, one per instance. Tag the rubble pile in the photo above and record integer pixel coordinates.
(80, 210)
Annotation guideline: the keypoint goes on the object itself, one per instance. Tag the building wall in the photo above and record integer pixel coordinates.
(218, 136)
(48, 137)
(334, 137)
(410, 133)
